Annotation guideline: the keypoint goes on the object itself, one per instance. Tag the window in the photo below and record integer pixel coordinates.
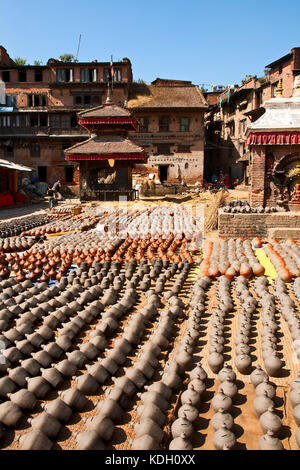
(69, 174)
(74, 122)
(11, 100)
(35, 151)
(5, 121)
(186, 165)
(106, 75)
(43, 120)
(184, 124)
(42, 173)
(117, 75)
(280, 69)
(22, 75)
(96, 100)
(37, 100)
(87, 100)
(144, 124)
(274, 87)
(231, 128)
(55, 120)
(65, 121)
(38, 75)
(164, 149)
(64, 75)
(88, 75)
(184, 149)
(259, 98)
(6, 76)
(34, 120)
(8, 151)
(243, 126)
(164, 124)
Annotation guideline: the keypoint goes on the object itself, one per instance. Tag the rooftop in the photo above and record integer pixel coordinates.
(165, 94)
(105, 146)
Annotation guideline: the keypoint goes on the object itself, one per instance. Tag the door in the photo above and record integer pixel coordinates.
(163, 173)
(42, 173)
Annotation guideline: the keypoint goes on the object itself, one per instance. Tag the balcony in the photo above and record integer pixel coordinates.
(42, 131)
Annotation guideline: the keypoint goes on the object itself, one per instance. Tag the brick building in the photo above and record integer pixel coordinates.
(171, 116)
(38, 119)
(227, 120)
(38, 116)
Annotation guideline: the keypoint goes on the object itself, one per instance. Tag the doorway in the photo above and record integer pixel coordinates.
(69, 174)
(42, 174)
(163, 173)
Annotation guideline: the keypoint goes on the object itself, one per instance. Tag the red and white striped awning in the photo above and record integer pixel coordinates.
(274, 138)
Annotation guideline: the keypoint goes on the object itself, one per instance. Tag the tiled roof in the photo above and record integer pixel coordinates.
(104, 145)
(142, 95)
(107, 110)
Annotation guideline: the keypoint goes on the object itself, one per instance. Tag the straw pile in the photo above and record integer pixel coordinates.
(211, 217)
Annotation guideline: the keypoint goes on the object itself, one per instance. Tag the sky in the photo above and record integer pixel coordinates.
(208, 42)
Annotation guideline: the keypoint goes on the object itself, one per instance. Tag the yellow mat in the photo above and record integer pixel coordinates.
(270, 271)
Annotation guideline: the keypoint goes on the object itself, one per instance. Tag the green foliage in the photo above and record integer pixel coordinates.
(38, 62)
(67, 58)
(20, 61)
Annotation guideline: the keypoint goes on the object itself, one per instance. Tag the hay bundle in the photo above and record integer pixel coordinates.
(211, 217)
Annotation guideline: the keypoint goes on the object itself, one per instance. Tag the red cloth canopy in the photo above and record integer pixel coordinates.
(274, 138)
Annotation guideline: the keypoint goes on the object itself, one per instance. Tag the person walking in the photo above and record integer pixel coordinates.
(50, 196)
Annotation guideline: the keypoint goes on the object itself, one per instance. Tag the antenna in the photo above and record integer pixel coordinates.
(76, 60)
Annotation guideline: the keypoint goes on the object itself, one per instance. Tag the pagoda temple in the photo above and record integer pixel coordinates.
(274, 142)
(106, 159)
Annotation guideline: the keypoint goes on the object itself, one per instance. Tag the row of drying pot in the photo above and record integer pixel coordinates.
(77, 359)
(242, 338)
(79, 222)
(269, 332)
(280, 264)
(295, 402)
(217, 325)
(230, 257)
(270, 422)
(144, 366)
(291, 255)
(289, 312)
(10, 245)
(16, 227)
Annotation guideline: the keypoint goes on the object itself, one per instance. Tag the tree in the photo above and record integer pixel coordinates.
(38, 62)
(20, 61)
(67, 58)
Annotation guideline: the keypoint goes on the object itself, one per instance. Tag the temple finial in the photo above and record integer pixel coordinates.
(279, 88)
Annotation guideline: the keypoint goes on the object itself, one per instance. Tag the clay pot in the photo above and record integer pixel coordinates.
(224, 438)
(222, 418)
(270, 442)
(149, 427)
(215, 362)
(221, 401)
(262, 403)
(182, 425)
(227, 373)
(181, 443)
(257, 376)
(145, 442)
(295, 398)
(269, 421)
(265, 387)
(243, 363)
(188, 412)
(35, 440)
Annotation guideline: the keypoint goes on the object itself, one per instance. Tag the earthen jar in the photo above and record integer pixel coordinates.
(262, 403)
(269, 421)
(222, 418)
(269, 442)
(257, 376)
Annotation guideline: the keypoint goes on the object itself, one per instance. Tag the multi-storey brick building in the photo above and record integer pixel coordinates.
(38, 119)
(38, 116)
(171, 116)
(239, 106)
